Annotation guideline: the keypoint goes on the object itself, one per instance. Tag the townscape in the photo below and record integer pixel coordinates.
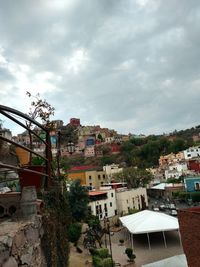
(112, 191)
(99, 133)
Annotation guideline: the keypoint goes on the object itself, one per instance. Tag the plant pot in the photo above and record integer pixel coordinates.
(32, 179)
(23, 155)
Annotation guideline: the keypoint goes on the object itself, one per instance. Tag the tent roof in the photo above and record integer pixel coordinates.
(163, 186)
(178, 261)
(147, 221)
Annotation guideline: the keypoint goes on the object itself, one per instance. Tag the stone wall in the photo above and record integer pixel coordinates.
(20, 243)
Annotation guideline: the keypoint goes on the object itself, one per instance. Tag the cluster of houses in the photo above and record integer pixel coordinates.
(185, 165)
(91, 139)
(108, 198)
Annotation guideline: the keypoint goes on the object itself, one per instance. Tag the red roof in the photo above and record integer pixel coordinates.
(96, 193)
(82, 168)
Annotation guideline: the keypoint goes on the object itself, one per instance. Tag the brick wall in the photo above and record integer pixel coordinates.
(189, 221)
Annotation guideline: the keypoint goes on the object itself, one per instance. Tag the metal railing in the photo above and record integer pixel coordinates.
(15, 116)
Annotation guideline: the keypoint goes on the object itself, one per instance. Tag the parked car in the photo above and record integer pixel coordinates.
(173, 212)
(162, 207)
(172, 206)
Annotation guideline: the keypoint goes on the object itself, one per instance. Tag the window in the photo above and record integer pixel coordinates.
(90, 184)
(90, 177)
(127, 201)
(112, 194)
(110, 204)
(104, 176)
(188, 155)
(105, 207)
(197, 186)
(115, 212)
(101, 183)
(99, 176)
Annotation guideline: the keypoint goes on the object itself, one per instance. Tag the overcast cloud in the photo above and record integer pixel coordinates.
(129, 65)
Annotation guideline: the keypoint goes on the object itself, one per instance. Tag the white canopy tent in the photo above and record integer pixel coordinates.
(147, 221)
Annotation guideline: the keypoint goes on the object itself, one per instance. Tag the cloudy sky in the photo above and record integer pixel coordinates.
(131, 65)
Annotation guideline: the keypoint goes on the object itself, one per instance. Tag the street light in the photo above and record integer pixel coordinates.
(70, 147)
(107, 224)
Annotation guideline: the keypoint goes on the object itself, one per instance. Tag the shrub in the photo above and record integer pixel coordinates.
(74, 233)
(103, 253)
(107, 262)
(129, 253)
(121, 241)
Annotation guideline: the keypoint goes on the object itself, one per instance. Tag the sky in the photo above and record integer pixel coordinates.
(129, 65)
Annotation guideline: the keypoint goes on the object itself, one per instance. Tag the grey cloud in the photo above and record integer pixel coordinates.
(141, 68)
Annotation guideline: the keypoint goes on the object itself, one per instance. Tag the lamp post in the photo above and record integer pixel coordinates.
(110, 244)
(70, 147)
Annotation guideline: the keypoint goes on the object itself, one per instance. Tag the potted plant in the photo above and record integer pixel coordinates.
(121, 242)
(130, 255)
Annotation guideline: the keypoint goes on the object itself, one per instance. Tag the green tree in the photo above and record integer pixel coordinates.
(95, 231)
(78, 200)
(134, 177)
(74, 232)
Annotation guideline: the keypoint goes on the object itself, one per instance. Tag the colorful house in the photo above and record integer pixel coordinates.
(192, 184)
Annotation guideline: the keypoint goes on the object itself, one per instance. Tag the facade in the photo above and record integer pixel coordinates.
(192, 152)
(176, 170)
(103, 203)
(192, 184)
(6, 133)
(170, 159)
(89, 151)
(194, 165)
(110, 170)
(95, 178)
(75, 122)
(131, 199)
(88, 175)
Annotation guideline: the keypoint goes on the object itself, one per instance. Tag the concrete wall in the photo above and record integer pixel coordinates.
(20, 243)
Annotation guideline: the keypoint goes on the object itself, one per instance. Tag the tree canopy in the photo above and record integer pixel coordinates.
(134, 177)
(78, 200)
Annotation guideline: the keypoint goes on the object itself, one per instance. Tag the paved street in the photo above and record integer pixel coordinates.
(145, 255)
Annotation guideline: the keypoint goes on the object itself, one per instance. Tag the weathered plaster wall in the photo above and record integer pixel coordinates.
(20, 243)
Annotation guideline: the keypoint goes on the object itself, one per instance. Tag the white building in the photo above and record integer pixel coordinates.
(131, 199)
(111, 170)
(176, 170)
(192, 152)
(6, 133)
(103, 203)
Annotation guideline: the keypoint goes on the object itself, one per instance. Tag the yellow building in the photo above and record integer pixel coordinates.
(88, 175)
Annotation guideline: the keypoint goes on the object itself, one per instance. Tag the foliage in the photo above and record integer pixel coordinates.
(94, 233)
(56, 221)
(129, 253)
(74, 232)
(78, 200)
(145, 152)
(101, 258)
(37, 161)
(68, 133)
(174, 180)
(134, 177)
(39, 109)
